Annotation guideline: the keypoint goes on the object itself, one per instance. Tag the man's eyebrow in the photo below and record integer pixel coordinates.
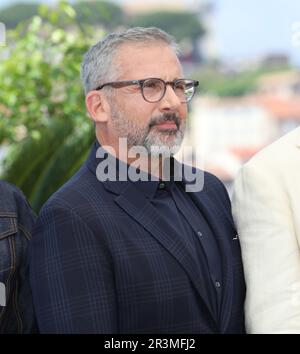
(178, 78)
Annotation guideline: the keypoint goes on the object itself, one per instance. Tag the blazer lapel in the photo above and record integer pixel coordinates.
(141, 210)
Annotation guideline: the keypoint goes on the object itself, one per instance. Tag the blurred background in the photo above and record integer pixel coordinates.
(246, 55)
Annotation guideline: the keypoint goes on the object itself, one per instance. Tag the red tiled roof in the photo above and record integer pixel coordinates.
(245, 153)
(279, 107)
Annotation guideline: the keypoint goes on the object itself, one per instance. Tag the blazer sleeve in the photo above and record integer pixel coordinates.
(71, 275)
(264, 220)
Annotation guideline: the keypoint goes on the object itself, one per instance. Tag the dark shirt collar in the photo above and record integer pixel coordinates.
(150, 184)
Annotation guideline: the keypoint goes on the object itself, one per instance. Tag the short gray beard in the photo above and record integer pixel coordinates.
(164, 143)
(157, 143)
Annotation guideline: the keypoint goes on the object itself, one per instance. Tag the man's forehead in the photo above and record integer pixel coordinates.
(141, 46)
(141, 56)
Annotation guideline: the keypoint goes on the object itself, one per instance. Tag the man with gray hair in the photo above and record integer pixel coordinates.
(127, 245)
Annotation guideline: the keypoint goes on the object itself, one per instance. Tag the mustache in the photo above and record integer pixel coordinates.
(167, 117)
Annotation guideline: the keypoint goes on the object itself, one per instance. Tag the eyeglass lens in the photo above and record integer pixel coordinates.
(154, 90)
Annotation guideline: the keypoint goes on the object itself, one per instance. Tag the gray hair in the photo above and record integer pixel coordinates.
(96, 65)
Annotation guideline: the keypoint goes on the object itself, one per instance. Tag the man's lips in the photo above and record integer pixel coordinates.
(167, 125)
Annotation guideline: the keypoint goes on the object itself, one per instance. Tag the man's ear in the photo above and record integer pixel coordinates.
(97, 106)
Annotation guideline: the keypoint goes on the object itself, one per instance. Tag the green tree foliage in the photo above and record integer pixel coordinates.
(42, 111)
(220, 84)
(17, 13)
(181, 25)
(212, 81)
(105, 13)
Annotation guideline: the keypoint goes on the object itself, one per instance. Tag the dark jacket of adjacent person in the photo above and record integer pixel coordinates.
(16, 224)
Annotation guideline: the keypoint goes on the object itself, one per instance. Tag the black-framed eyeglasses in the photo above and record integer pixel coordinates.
(154, 89)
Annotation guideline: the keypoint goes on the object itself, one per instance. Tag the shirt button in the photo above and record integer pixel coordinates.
(217, 284)
(200, 234)
(161, 185)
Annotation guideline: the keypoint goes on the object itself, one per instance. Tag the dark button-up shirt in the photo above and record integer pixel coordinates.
(177, 207)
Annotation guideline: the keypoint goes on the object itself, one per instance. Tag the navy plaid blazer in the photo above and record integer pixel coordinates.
(104, 261)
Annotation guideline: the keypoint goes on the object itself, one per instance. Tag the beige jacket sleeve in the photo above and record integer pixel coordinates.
(266, 210)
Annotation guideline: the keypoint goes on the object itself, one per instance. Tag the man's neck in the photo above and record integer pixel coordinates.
(153, 165)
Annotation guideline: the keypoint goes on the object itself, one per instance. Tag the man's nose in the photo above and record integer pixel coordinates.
(170, 101)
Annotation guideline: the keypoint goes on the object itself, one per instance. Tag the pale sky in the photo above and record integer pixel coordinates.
(247, 28)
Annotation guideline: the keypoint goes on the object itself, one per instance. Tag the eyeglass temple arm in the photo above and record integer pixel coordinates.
(120, 84)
